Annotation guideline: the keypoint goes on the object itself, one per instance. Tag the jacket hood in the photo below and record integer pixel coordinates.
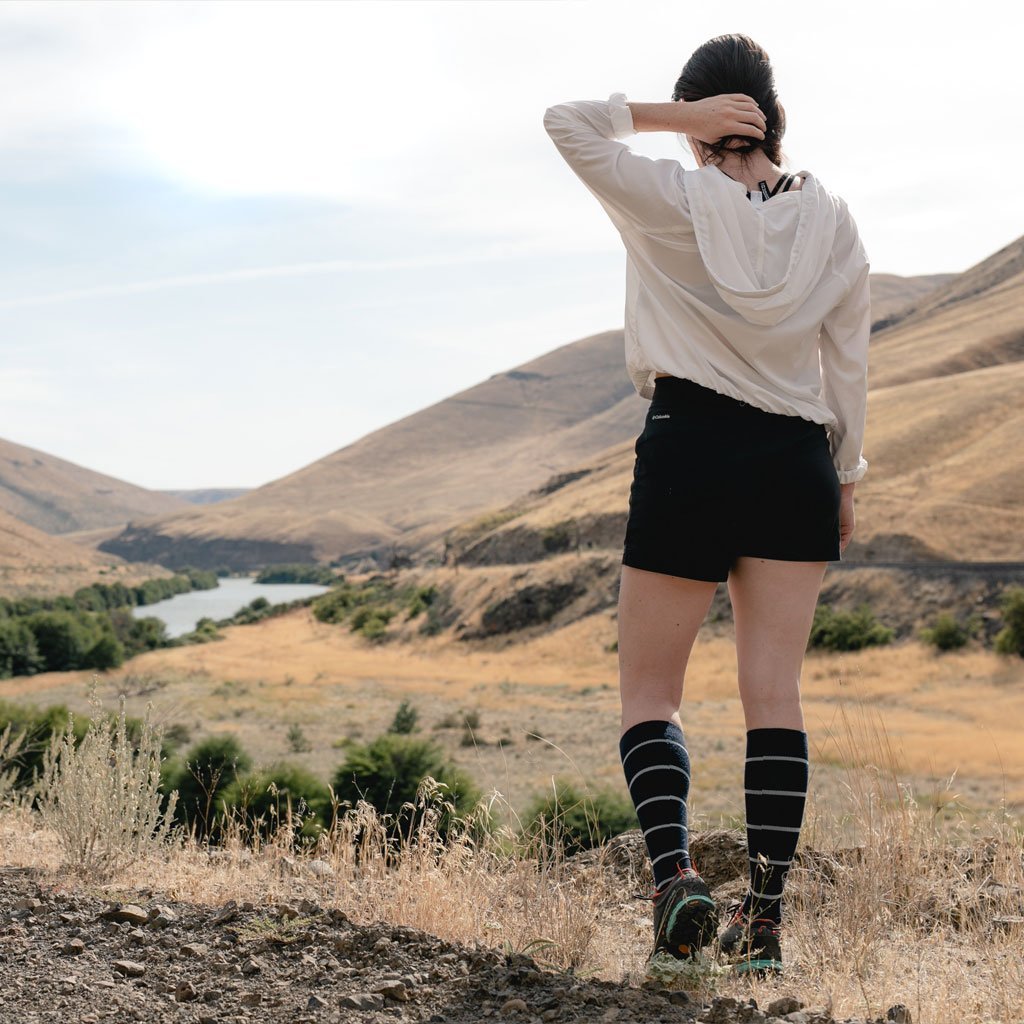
(764, 259)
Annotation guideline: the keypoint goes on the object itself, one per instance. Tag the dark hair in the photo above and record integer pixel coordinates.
(734, 63)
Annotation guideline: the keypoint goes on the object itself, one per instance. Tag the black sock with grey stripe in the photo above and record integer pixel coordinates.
(657, 768)
(775, 786)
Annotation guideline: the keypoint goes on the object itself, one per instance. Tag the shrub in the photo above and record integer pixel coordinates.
(19, 652)
(264, 800)
(420, 600)
(40, 726)
(1010, 639)
(405, 719)
(387, 772)
(847, 631)
(298, 743)
(209, 768)
(101, 795)
(945, 633)
(576, 820)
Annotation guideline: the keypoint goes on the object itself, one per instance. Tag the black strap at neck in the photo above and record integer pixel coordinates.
(763, 186)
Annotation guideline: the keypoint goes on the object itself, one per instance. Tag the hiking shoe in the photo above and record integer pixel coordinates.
(752, 946)
(685, 916)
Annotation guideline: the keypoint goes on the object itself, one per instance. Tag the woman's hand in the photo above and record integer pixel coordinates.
(709, 119)
(846, 516)
(728, 113)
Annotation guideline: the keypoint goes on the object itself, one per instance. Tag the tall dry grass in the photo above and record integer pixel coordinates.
(890, 902)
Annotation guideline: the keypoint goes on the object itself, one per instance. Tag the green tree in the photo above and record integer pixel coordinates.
(19, 652)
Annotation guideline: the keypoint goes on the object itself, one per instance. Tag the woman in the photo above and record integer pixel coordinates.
(747, 323)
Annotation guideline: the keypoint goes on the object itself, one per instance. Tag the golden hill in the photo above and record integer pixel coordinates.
(57, 496)
(35, 564)
(401, 488)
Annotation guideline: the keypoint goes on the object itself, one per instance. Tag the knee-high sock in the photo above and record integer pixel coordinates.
(775, 790)
(657, 768)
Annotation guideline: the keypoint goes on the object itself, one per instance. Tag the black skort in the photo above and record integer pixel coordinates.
(715, 478)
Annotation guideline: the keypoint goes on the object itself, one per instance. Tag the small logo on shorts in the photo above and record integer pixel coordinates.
(661, 416)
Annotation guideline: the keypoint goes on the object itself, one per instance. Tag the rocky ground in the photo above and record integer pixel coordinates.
(71, 956)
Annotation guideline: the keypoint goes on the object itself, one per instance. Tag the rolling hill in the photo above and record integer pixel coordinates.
(57, 496)
(33, 563)
(400, 491)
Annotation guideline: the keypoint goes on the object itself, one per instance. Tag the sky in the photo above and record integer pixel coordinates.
(238, 236)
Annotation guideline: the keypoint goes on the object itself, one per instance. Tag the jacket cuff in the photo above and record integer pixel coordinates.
(621, 116)
(849, 476)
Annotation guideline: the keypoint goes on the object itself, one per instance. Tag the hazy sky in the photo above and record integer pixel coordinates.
(239, 236)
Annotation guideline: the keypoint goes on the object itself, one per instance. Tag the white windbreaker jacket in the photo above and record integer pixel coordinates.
(766, 301)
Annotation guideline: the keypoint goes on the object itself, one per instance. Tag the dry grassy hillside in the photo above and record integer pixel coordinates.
(34, 564)
(57, 496)
(892, 295)
(406, 484)
(419, 474)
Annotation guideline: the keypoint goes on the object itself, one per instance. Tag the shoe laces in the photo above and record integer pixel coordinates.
(680, 873)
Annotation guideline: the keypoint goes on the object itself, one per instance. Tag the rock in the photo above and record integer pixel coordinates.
(251, 999)
(226, 913)
(195, 950)
(393, 990)
(130, 912)
(29, 903)
(129, 968)
(512, 1006)
(161, 916)
(185, 991)
(74, 946)
(784, 1005)
(251, 966)
(316, 1003)
(320, 869)
(899, 1014)
(362, 1001)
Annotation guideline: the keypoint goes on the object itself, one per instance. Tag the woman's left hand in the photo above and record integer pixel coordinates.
(728, 113)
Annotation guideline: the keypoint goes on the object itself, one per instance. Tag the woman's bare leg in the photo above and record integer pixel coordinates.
(659, 618)
(773, 606)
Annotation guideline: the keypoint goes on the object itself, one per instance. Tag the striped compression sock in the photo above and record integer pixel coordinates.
(775, 789)
(657, 768)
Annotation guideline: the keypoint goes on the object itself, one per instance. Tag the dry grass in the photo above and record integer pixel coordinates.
(910, 917)
(952, 712)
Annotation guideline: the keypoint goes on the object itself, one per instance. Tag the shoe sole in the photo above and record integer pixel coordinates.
(689, 925)
(759, 967)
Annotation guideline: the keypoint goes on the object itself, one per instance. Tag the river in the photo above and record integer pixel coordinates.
(182, 611)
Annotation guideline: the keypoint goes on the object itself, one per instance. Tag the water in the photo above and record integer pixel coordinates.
(182, 611)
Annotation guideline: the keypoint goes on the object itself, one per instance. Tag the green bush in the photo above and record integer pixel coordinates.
(297, 572)
(1010, 639)
(405, 719)
(387, 772)
(420, 599)
(577, 820)
(260, 800)
(208, 769)
(19, 652)
(847, 631)
(946, 633)
(40, 725)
